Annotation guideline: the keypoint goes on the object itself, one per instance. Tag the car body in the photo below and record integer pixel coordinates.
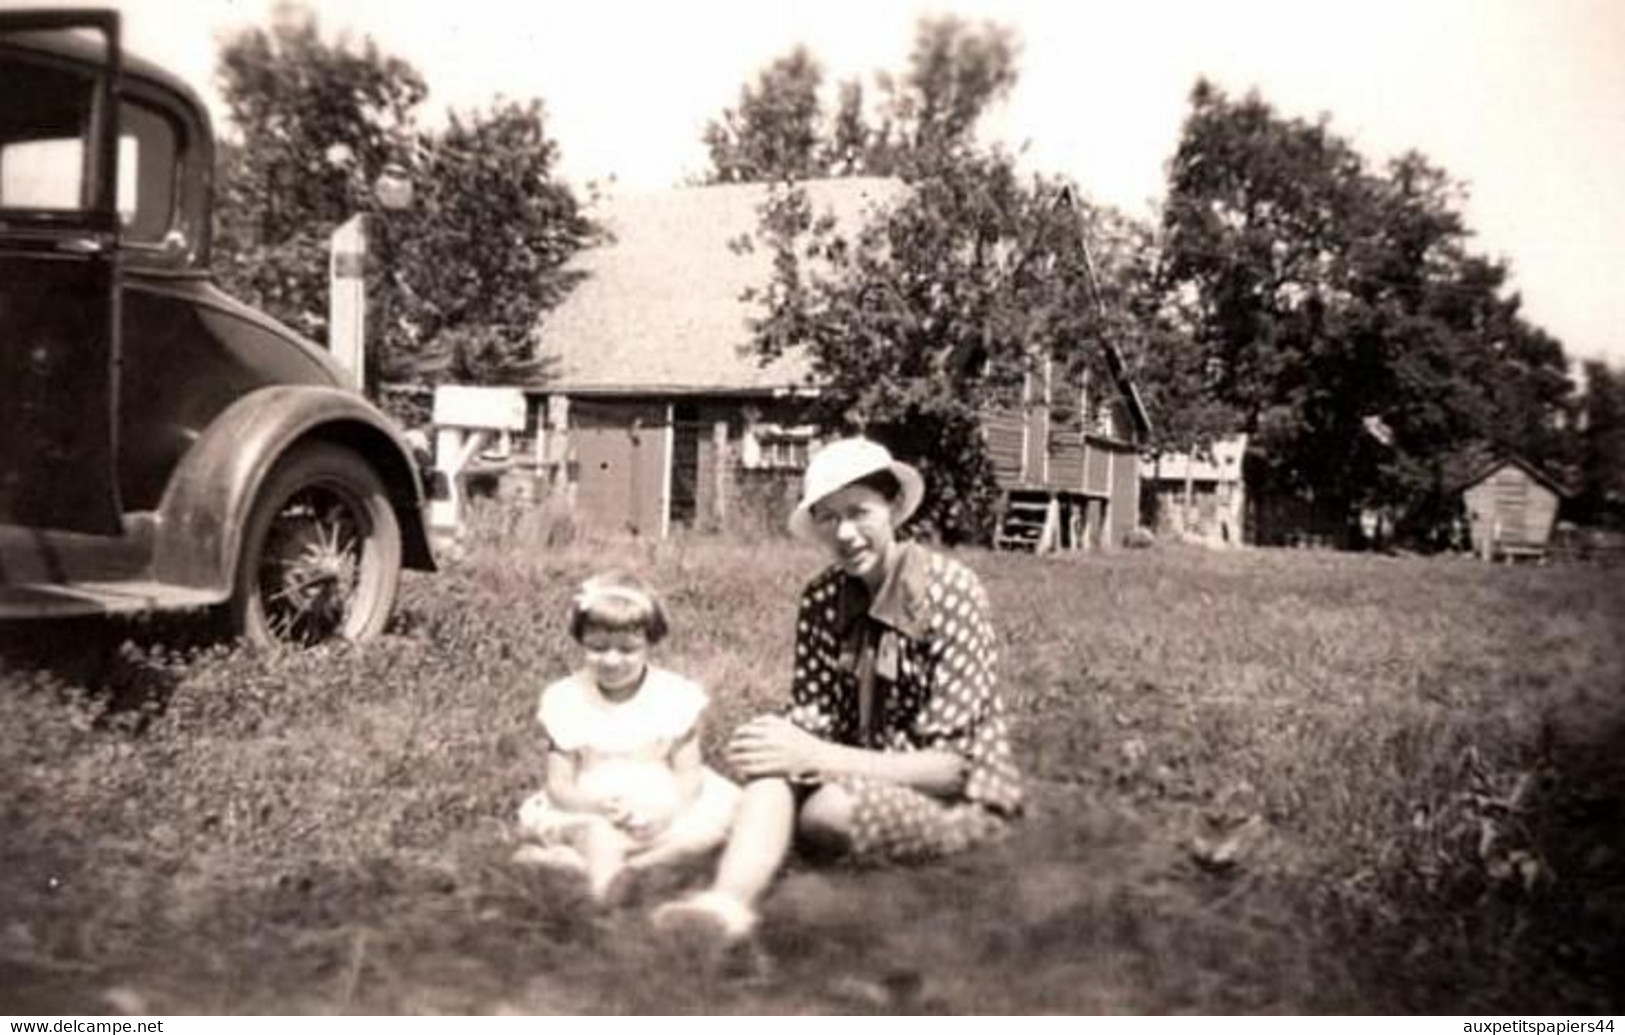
(163, 445)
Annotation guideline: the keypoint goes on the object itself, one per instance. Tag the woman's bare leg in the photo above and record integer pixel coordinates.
(825, 822)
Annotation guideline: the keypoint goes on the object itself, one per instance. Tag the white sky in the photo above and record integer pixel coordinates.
(1522, 99)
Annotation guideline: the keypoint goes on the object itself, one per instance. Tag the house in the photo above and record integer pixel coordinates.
(1199, 496)
(1511, 507)
(656, 416)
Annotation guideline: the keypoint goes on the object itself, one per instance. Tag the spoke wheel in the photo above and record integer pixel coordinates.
(321, 552)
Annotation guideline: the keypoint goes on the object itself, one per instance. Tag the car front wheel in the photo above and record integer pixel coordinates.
(321, 553)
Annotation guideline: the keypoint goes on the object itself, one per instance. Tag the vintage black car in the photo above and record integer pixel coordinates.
(163, 446)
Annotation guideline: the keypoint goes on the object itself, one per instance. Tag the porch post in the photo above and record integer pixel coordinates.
(719, 470)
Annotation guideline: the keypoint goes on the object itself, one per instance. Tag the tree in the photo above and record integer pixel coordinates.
(315, 122)
(775, 131)
(458, 281)
(956, 73)
(481, 255)
(779, 129)
(931, 313)
(1602, 446)
(1156, 328)
(938, 308)
(1339, 313)
(295, 97)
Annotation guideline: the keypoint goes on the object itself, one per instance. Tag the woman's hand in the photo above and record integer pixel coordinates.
(771, 745)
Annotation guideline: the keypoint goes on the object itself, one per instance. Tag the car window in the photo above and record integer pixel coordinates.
(146, 172)
(44, 130)
(45, 118)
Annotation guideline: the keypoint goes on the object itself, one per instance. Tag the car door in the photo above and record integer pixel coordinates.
(59, 211)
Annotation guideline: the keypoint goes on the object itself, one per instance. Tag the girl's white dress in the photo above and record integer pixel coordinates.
(622, 750)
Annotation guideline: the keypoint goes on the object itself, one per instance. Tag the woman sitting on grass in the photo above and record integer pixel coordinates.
(625, 786)
(894, 747)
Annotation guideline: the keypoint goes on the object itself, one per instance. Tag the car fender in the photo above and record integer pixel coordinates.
(208, 500)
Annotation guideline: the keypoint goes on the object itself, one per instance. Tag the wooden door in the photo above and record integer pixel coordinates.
(621, 463)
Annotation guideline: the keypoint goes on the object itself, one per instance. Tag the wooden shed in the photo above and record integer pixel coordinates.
(1199, 496)
(1068, 463)
(1511, 507)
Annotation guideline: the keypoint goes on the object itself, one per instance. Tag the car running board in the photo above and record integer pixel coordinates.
(66, 599)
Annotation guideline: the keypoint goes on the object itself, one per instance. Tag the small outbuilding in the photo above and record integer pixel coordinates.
(1200, 496)
(1511, 506)
(1067, 462)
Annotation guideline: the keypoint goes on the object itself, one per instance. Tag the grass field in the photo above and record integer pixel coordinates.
(1261, 782)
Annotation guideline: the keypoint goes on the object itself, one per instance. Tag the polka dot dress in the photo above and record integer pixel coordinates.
(927, 639)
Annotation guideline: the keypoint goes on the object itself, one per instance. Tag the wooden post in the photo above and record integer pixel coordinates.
(667, 452)
(1156, 493)
(1044, 432)
(454, 448)
(1111, 495)
(464, 418)
(719, 470)
(347, 298)
(1187, 525)
(539, 453)
(558, 421)
(1050, 536)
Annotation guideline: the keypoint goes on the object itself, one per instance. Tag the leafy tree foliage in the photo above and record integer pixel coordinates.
(956, 73)
(1331, 309)
(780, 130)
(1155, 327)
(479, 257)
(932, 312)
(298, 103)
(941, 304)
(1339, 313)
(457, 282)
(1601, 459)
(295, 96)
(775, 131)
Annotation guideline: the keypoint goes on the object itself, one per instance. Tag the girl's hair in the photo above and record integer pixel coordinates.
(883, 482)
(617, 601)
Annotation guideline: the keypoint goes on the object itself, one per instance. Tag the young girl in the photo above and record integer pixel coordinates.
(625, 785)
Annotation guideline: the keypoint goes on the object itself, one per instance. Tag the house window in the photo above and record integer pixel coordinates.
(1106, 421)
(773, 447)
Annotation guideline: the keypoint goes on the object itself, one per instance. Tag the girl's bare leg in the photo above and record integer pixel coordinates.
(604, 847)
(759, 840)
(677, 845)
(699, 829)
(757, 843)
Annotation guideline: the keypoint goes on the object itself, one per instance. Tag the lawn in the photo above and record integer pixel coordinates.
(1262, 781)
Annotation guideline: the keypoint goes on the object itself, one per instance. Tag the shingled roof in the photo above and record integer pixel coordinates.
(659, 310)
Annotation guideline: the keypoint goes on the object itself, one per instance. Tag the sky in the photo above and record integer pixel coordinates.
(1523, 100)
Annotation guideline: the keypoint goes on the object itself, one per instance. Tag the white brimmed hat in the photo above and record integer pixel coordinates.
(843, 462)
